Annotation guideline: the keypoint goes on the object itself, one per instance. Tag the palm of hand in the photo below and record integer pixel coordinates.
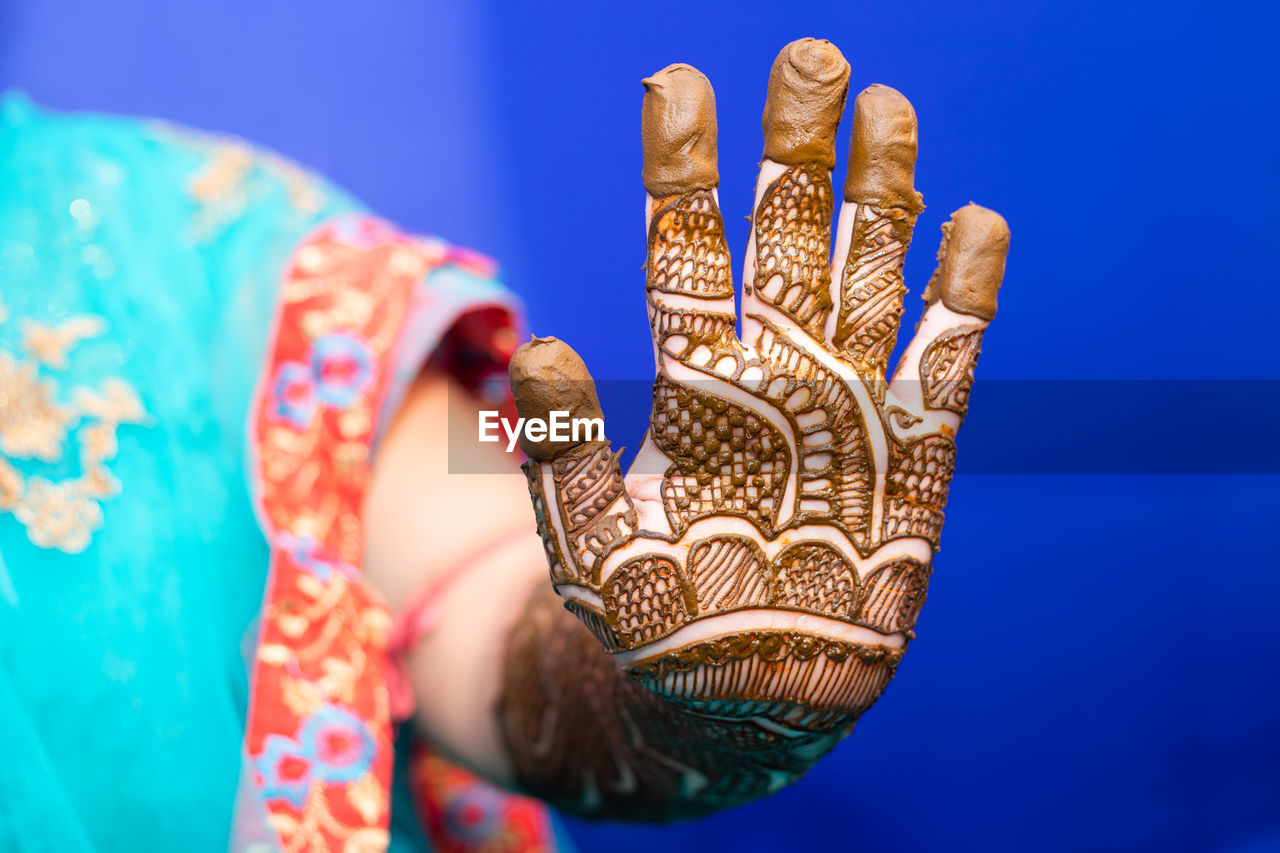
(769, 552)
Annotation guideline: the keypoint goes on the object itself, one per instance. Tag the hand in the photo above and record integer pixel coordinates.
(769, 552)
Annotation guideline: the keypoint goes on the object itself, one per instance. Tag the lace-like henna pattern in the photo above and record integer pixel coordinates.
(730, 459)
(916, 487)
(871, 289)
(816, 578)
(646, 598)
(793, 238)
(593, 741)
(836, 467)
(946, 369)
(685, 331)
(649, 597)
(773, 434)
(687, 250)
(558, 563)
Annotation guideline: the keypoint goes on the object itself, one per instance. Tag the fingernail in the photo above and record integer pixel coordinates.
(970, 262)
(678, 129)
(882, 151)
(548, 376)
(807, 89)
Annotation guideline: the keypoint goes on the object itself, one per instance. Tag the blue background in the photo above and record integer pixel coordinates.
(1099, 664)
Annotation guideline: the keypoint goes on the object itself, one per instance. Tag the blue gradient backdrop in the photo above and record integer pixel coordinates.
(1098, 666)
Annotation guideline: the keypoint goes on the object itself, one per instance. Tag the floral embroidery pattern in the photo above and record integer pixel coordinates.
(36, 425)
(333, 745)
(343, 368)
(294, 393)
(233, 175)
(340, 369)
(58, 515)
(319, 732)
(32, 425)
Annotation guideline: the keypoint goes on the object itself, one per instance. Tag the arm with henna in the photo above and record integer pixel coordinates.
(747, 591)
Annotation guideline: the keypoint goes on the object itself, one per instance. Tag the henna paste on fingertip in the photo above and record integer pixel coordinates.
(970, 262)
(882, 151)
(678, 130)
(547, 375)
(807, 90)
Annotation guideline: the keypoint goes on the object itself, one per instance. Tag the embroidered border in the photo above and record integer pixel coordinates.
(320, 731)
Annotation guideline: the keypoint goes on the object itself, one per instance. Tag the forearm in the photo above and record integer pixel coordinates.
(586, 737)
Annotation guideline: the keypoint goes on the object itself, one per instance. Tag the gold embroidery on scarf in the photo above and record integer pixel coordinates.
(225, 185)
(36, 424)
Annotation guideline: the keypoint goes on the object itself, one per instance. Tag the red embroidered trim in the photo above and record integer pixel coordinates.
(320, 730)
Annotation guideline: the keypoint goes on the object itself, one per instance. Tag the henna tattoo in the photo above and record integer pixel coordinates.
(836, 465)
(805, 682)
(793, 235)
(946, 368)
(683, 331)
(916, 487)
(651, 596)
(647, 597)
(729, 572)
(595, 512)
(871, 289)
(893, 595)
(727, 459)
(901, 417)
(797, 506)
(687, 250)
(816, 578)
